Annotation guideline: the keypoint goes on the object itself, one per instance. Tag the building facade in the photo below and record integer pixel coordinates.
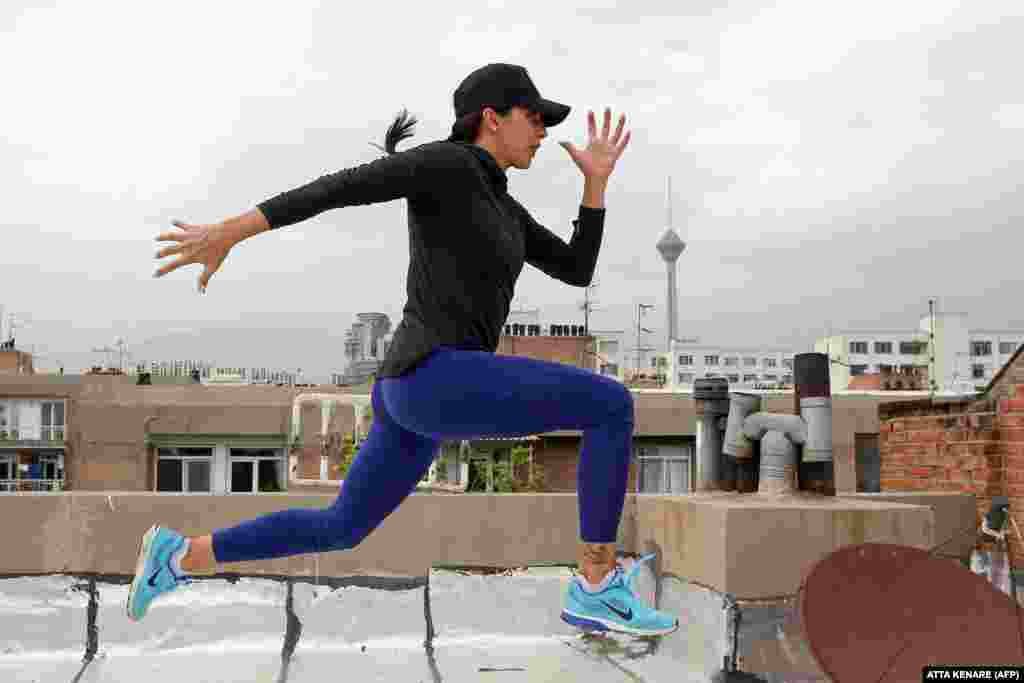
(743, 367)
(366, 345)
(958, 358)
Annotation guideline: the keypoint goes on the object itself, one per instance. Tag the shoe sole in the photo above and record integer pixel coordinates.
(602, 625)
(140, 564)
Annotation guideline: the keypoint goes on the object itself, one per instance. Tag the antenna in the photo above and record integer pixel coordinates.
(587, 306)
(931, 346)
(668, 203)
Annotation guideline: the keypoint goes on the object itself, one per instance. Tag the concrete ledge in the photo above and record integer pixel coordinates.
(956, 517)
(745, 545)
(755, 547)
(99, 532)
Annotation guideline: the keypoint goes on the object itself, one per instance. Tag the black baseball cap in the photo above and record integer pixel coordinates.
(504, 85)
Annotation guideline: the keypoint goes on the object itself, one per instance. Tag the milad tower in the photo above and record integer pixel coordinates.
(670, 246)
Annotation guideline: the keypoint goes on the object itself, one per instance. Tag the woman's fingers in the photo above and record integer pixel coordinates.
(606, 128)
(591, 126)
(618, 129)
(174, 265)
(170, 251)
(175, 236)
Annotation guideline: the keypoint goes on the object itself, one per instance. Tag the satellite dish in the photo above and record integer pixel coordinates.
(882, 612)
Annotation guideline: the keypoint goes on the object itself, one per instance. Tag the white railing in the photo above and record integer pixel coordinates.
(16, 485)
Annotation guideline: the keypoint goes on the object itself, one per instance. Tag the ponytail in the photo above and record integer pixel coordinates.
(400, 129)
(464, 129)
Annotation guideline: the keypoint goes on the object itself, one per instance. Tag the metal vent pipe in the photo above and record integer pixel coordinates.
(711, 399)
(812, 399)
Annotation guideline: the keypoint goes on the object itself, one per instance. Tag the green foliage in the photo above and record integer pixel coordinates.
(348, 454)
(513, 475)
(348, 447)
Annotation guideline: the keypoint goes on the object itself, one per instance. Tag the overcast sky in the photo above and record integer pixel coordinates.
(833, 164)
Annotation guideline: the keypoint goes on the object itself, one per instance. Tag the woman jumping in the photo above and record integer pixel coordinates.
(441, 379)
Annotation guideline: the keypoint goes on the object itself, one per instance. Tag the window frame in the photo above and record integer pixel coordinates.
(646, 454)
(174, 453)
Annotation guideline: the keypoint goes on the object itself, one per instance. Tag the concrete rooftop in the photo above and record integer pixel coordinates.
(498, 627)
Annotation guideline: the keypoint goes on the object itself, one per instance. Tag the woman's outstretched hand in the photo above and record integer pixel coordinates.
(207, 245)
(598, 159)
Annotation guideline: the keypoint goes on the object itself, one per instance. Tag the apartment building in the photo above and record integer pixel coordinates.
(957, 357)
(32, 442)
(744, 367)
(602, 351)
(213, 373)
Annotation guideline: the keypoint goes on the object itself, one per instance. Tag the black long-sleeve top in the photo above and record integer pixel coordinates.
(468, 240)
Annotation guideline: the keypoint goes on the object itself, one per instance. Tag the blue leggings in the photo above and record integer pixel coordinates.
(453, 395)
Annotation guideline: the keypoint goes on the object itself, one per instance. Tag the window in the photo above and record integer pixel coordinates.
(185, 470)
(858, 347)
(1008, 347)
(686, 378)
(256, 470)
(53, 421)
(750, 362)
(912, 348)
(787, 379)
(732, 362)
(710, 360)
(769, 362)
(749, 379)
(710, 375)
(978, 371)
(856, 370)
(771, 378)
(7, 474)
(686, 360)
(983, 348)
(787, 363)
(883, 347)
(733, 379)
(657, 473)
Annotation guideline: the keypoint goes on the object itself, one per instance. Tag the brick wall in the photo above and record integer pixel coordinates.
(1010, 424)
(559, 458)
(567, 350)
(16, 363)
(975, 446)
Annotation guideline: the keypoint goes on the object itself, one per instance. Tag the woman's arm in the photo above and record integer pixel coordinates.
(424, 170)
(573, 263)
(245, 226)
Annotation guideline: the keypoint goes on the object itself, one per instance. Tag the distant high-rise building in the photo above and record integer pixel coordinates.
(670, 246)
(366, 345)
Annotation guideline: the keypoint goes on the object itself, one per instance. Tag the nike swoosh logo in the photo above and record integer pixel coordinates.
(627, 615)
(152, 579)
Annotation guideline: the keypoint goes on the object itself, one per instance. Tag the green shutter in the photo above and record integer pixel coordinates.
(230, 440)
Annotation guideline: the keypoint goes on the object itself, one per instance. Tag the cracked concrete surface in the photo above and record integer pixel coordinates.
(455, 626)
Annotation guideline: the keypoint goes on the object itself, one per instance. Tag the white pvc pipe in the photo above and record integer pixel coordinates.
(740, 406)
(758, 424)
(817, 415)
(778, 464)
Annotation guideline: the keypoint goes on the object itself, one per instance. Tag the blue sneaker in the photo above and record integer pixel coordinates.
(616, 608)
(153, 573)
